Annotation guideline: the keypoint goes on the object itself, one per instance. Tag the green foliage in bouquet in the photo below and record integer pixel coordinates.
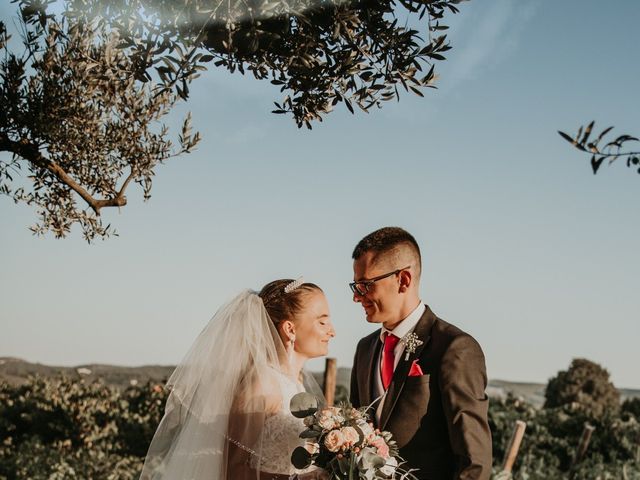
(342, 441)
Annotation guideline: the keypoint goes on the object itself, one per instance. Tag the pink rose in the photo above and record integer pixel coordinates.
(381, 446)
(334, 440)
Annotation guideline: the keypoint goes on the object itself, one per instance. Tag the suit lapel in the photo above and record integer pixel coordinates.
(423, 331)
(369, 370)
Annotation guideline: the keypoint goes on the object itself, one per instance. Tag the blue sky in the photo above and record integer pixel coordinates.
(523, 246)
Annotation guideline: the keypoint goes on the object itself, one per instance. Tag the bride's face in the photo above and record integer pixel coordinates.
(313, 327)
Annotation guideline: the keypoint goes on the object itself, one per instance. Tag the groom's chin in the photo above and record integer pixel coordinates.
(372, 319)
(371, 314)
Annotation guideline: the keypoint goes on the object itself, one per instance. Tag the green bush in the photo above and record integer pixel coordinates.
(65, 429)
(632, 407)
(552, 437)
(62, 429)
(584, 387)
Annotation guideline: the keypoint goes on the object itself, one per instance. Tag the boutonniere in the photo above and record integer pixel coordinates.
(410, 342)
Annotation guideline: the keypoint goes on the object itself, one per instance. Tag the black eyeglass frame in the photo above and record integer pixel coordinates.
(355, 286)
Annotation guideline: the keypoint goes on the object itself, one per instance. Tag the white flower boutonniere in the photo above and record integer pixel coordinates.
(410, 342)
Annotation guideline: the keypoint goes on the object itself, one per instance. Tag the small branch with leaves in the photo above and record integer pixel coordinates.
(611, 151)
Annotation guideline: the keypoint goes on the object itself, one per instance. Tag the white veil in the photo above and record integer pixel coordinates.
(220, 394)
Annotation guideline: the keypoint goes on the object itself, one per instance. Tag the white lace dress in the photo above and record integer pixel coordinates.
(281, 434)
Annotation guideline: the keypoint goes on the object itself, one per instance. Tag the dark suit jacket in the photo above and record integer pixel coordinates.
(439, 419)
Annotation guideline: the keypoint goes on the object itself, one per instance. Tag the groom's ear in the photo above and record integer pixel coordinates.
(405, 280)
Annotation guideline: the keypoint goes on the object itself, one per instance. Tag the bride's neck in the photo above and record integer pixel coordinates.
(297, 364)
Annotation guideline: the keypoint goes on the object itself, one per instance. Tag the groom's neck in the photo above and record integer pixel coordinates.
(403, 312)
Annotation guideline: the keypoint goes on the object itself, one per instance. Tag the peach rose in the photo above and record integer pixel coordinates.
(351, 436)
(334, 440)
(329, 418)
(326, 422)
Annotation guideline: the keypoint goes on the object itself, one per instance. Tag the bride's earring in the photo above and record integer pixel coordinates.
(291, 348)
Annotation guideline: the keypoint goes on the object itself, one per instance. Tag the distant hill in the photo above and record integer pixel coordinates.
(16, 371)
(533, 393)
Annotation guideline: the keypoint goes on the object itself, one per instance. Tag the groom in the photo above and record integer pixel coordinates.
(432, 383)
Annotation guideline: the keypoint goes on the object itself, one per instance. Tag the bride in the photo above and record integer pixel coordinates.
(227, 416)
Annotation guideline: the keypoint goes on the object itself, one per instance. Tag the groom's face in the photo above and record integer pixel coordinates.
(382, 301)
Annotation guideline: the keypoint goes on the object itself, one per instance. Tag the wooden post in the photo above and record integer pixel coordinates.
(582, 447)
(514, 445)
(330, 373)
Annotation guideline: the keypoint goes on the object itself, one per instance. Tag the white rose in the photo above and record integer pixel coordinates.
(367, 429)
(389, 467)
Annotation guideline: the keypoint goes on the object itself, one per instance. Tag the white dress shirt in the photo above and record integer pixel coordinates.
(404, 327)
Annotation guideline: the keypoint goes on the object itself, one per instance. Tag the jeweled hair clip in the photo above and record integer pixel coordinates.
(290, 287)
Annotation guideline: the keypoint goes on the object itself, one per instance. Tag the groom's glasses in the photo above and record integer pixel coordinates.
(362, 287)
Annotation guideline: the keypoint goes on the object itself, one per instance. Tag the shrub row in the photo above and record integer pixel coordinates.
(65, 429)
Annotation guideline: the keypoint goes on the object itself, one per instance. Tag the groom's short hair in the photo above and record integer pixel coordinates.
(389, 240)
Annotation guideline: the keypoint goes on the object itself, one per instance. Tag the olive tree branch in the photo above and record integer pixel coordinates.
(32, 154)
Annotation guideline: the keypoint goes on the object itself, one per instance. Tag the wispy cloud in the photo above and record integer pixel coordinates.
(247, 135)
(487, 34)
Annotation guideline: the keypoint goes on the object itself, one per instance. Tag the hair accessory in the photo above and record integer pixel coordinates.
(293, 285)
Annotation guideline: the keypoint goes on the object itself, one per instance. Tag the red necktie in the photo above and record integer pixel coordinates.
(388, 358)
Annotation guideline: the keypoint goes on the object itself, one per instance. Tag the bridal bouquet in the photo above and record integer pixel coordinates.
(343, 442)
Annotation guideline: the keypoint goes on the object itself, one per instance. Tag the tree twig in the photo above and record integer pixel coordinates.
(31, 153)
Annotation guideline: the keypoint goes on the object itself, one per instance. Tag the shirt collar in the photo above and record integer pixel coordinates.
(406, 325)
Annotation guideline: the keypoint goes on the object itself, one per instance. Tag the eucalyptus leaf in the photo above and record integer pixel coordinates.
(301, 458)
(310, 433)
(303, 404)
(371, 460)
